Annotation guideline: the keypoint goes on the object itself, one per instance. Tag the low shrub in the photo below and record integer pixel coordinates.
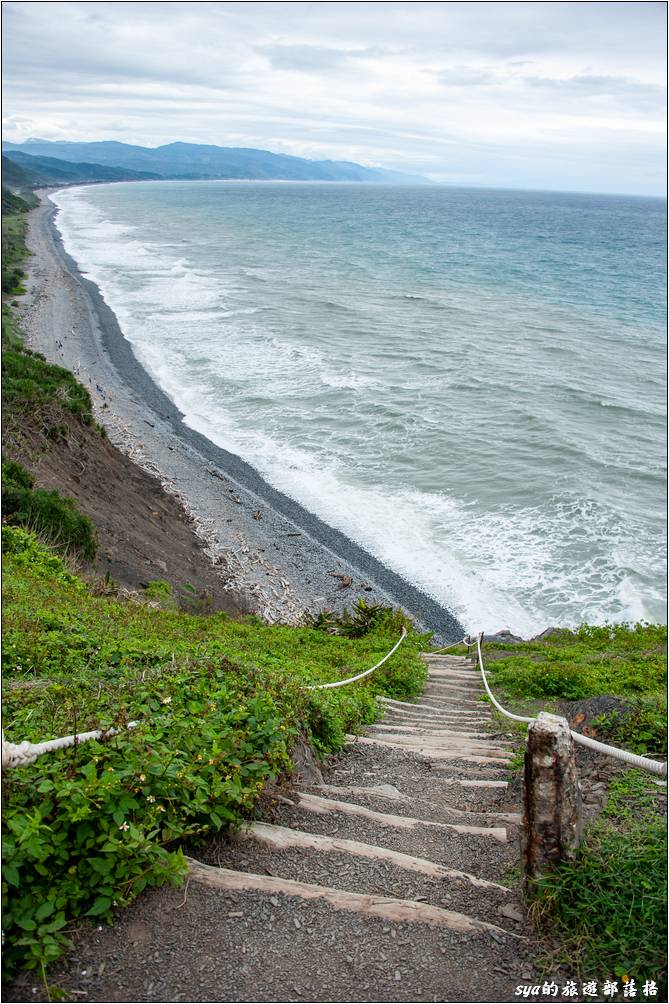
(621, 659)
(641, 726)
(87, 829)
(51, 515)
(29, 384)
(218, 704)
(157, 589)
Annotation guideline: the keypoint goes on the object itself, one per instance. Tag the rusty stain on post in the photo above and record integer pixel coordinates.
(551, 797)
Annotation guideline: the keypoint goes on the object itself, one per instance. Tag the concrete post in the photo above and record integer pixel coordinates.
(551, 797)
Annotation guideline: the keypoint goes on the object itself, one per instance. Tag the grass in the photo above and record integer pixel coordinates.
(14, 209)
(54, 518)
(609, 909)
(606, 913)
(626, 661)
(34, 391)
(219, 704)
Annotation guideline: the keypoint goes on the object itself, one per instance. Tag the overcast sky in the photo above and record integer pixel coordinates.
(527, 95)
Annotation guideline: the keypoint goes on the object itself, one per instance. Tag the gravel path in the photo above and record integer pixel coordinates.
(229, 935)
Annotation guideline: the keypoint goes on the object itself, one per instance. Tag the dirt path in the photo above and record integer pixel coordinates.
(388, 881)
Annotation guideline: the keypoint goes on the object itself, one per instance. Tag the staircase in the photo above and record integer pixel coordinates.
(384, 882)
(386, 879)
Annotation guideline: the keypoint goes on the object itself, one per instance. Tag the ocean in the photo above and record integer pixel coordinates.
(469, 383)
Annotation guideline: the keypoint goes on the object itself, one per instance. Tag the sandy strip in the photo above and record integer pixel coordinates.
(268, 546)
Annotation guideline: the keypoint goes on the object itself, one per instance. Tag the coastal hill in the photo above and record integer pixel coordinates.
(23, 171)
(196, 161)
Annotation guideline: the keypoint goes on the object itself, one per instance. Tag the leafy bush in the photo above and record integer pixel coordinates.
(641, 726)
(51, 515)
(157, 589)
(218, 702)
(28, 382)
(89, 829)
(362, 619)
(25, 551)
(16, 476)
(12, 280)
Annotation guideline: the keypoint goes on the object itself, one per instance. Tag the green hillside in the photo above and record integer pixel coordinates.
(22, 171)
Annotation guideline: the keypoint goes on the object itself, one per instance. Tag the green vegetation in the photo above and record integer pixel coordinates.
(158, 589)
(218, 703)
(606, 912)
(622, 660)
(609, 908)
(54, 518)
(35, 393)
(31, 386)
(14, 249)
(21, 170)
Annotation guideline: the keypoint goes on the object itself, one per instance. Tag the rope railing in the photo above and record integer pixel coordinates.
(445, 648)
(643, 762)
(360, 676)
(22, 754)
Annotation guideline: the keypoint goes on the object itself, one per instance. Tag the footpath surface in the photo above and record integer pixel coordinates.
(383, 882)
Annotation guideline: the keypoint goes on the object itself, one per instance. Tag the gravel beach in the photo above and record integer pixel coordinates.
(283, 559)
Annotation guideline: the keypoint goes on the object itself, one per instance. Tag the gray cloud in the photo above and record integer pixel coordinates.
(566, 95)
(313, 58)
(467, 76)
(633, 93)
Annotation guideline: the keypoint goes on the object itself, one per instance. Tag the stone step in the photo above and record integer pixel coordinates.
(314, 803)
(441, 712)
(447, 687)
(444, 741)
(436, 811)
(428, 730)
(281, 837)
(399, 911)
(432, 753)
(463, 677)
(460, 660)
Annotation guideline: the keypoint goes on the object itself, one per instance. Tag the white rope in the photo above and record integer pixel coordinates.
(445, 648)
(643, 762)
(352, 679)
(22, 754)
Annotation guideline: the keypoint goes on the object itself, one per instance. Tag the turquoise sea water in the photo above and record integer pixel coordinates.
(469, 383)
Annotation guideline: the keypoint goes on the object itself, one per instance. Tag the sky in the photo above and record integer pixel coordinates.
(566, 96)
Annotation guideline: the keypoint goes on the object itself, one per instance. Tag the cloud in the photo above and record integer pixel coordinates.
(633, 93)
(467, 76)
(312, 58)
(541, 95)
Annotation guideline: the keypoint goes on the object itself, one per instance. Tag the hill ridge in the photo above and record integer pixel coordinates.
(182, 160)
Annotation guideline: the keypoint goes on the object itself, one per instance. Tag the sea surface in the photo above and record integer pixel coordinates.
(468, 383)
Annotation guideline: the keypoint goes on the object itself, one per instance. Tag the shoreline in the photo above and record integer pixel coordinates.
(286, 560)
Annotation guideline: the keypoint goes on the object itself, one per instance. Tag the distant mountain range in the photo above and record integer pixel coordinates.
(20, 170)
(95, 161)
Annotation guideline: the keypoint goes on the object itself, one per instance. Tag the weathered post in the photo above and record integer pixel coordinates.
(552, 796)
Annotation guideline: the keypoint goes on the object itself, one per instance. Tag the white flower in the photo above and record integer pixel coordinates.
(124, 826)
(150, 798)
(167, 700)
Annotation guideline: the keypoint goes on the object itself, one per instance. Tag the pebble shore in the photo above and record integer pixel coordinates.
(284, 560)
